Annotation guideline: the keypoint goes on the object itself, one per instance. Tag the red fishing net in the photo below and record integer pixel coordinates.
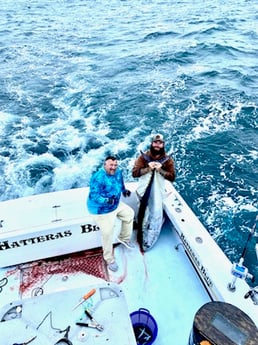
(36, 274)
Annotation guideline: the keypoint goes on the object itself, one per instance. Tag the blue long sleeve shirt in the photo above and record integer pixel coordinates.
(102, 187)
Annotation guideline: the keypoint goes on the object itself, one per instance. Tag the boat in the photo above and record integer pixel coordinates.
(56, 289)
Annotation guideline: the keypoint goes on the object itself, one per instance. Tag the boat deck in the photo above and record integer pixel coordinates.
(160, 280)
(163, 281)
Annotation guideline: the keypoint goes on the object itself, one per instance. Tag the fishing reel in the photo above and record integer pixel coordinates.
(238, 270)
(253, 294)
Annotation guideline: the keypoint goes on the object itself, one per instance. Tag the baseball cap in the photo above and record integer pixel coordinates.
(158, 137)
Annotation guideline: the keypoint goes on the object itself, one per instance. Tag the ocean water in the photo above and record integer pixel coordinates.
(83, 79)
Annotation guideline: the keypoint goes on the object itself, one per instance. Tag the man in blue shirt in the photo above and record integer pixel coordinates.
(106, 186)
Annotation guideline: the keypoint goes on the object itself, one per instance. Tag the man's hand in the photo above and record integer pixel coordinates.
(152, 165)
(158, 166)
(126, 193)
(155, 165)
(111, 201)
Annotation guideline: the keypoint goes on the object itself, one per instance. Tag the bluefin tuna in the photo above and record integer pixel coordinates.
(150, 191)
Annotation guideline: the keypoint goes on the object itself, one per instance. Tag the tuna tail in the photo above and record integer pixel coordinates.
(141, 212)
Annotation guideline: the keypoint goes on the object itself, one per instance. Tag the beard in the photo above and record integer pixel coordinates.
(157, 151)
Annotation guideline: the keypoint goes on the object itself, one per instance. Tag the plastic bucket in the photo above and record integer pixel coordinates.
(145, 327)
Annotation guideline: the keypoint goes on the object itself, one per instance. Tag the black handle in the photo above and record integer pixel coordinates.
(88, 314)
(82, 324)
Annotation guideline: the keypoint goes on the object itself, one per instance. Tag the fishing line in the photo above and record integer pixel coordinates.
(3, 282)
(39, 290)
(251, 233)
(51, 323)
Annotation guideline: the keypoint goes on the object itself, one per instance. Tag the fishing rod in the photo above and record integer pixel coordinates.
(251, 233)
(238, 269)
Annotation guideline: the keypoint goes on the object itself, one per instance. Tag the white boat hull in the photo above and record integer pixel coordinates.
(212, 265)
(183, 270)
(47, 225)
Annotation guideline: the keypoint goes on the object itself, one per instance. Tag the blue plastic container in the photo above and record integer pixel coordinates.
(145, 327)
